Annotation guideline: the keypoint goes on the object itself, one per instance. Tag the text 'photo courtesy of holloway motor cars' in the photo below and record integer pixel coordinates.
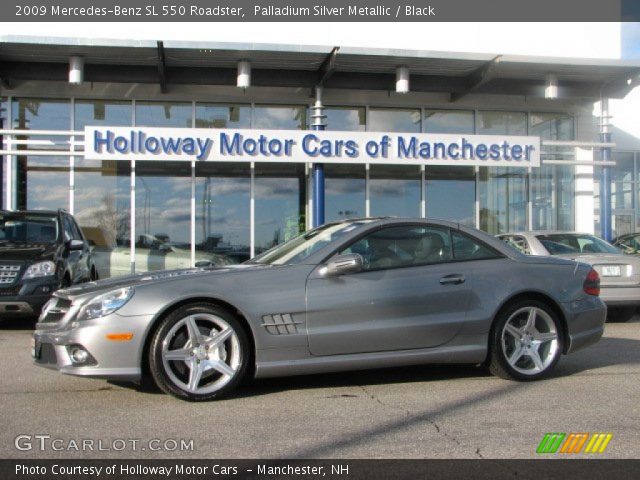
(357, 294)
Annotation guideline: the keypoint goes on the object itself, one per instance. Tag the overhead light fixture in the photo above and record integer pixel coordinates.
(402, 79)
(76, 70)
(551, 86)
(244, 74)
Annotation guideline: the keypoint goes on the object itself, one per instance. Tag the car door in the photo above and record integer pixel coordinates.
(410, 294)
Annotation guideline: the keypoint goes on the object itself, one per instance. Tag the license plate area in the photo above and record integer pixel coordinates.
(611, 271)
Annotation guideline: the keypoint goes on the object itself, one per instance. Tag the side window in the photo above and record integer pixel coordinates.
(68, 229)
(77, 233)
(467, 248)
(403, 246)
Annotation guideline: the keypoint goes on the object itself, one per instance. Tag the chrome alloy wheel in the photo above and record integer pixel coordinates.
(530, 340)
(201, 353)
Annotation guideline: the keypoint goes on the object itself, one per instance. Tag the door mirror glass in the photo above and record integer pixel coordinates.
(342, 265)
(76, 245)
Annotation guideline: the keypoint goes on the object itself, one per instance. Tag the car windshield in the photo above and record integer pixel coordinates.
(28, 228)
(568, 243)
(300, 248)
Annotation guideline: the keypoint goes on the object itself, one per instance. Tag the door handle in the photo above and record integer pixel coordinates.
(453, 279)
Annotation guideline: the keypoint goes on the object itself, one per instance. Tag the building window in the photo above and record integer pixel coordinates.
(552, 186)
(394, 120)
(502, 191)
(624, 203)
(102, 194)
(222, 116)
(278, 117)
(395, 190)
(42, 182)
(344, 191)
(448, 121)
(346, 118)
(280, 198)
(163, 216)
(223, 197)
(451, 193)
(163, 114)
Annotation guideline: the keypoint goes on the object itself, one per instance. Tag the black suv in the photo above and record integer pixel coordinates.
(40, 251)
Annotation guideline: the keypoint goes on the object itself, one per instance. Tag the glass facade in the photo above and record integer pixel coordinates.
(226, 212)
(625, 182)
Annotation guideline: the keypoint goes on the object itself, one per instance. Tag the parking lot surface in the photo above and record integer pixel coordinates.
(417, 412)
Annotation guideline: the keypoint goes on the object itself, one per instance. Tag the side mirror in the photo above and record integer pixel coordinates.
(342, 265)
(75, 245)
(204, 264)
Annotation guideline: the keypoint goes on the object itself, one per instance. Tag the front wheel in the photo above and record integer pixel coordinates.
(526, 342)
(199, 352)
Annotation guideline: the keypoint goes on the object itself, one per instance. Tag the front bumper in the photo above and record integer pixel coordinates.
(620, 296)
(53, 344)
(28, 298)
(585, 322)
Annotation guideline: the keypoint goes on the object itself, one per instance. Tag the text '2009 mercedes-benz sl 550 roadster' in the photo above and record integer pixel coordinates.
(356, 294)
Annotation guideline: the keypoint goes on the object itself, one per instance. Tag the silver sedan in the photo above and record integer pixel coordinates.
(619, 273)
(350, 295)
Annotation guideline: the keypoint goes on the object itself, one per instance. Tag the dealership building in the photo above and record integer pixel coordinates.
(116, 132)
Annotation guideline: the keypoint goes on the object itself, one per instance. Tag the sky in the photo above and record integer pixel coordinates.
(630, 41)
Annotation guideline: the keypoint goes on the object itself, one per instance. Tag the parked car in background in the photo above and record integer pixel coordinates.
(629, 243)
(40, 252)
(619, 273)
(349, 295)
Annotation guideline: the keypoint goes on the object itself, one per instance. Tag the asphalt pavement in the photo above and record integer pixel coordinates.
(417, 412)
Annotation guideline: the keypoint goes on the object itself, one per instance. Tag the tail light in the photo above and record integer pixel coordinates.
(591, 285)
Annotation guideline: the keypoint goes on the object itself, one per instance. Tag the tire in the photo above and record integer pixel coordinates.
(190, 363)
(519, 352)
(620, 314)
(94, 275)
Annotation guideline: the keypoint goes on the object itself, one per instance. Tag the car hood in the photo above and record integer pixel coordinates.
(163, 276)
(27, 251)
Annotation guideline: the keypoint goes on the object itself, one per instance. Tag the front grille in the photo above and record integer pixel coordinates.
(10, 292)
(55, 310)
(8, 273)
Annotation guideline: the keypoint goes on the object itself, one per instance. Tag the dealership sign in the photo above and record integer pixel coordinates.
(223, 145)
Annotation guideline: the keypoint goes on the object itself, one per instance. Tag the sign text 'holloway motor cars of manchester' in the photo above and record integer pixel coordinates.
(140, 143)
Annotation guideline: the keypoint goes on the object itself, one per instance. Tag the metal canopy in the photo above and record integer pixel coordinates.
(171, 62)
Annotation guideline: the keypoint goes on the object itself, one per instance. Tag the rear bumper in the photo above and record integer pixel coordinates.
(585, 322)
(620, 296)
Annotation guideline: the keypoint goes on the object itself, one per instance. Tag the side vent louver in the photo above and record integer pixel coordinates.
(280, 324)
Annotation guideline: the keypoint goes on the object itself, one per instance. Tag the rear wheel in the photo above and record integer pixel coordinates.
(526, 342)
(199, 352)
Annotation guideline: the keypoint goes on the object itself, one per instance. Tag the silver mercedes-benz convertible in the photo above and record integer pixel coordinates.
(356, 294)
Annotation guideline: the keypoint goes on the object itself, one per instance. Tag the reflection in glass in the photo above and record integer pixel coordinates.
(163, 114)
(101, 112)
(223, 194)
(622, 177)
(448, 121)
(211, 115)
(42, 182)
(280, 197)
(502, 123)
(503, 199)
(344, 191)
(102, 209)
(451, 193)
(163, 216)
(279, 117)
(394, 120)
(346, 119)
(394, 190)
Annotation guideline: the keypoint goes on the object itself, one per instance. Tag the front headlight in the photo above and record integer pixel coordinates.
(105, 304)
(40, 269)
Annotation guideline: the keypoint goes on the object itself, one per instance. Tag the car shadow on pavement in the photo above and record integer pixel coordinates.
(18, 323)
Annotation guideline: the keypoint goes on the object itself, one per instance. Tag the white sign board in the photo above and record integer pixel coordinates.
(305, 146)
